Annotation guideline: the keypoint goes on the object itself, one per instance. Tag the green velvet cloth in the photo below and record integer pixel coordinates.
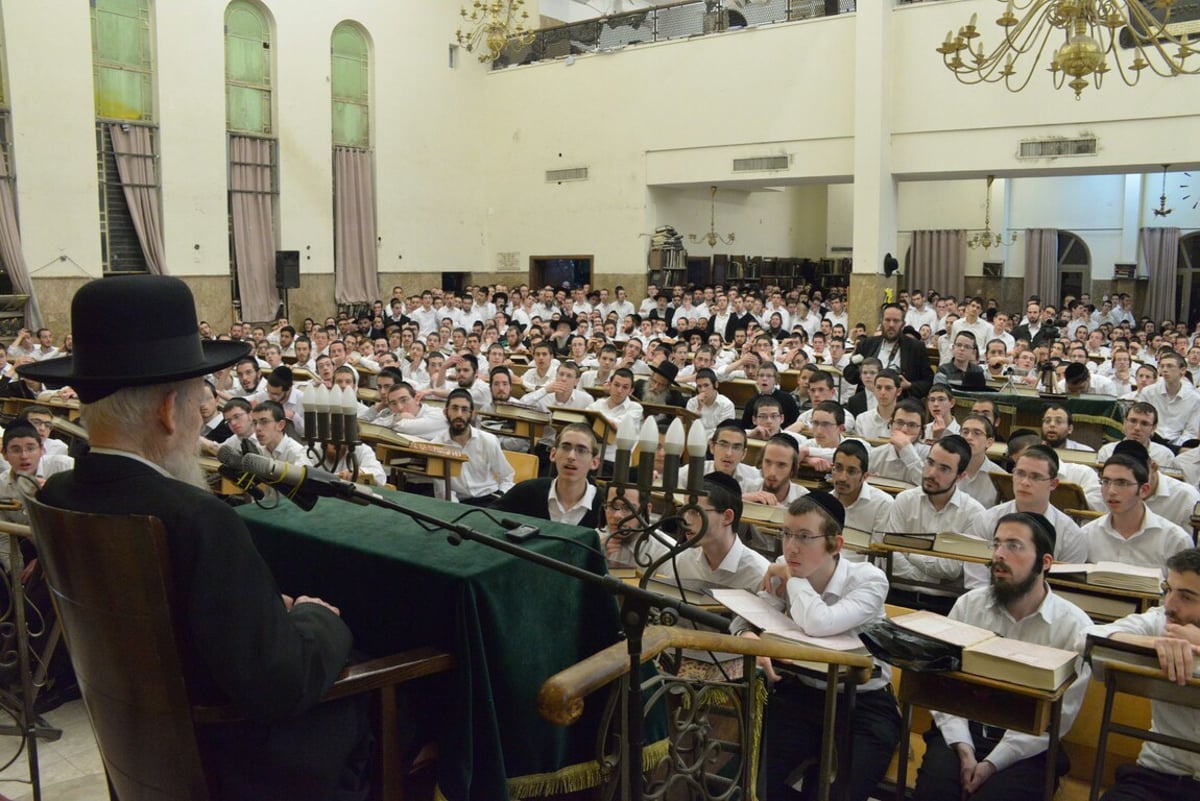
(511, 624)
(1030, 407)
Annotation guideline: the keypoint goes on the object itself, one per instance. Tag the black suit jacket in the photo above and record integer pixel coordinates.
(1045, 335)
(914, 363)
(858, 403)
(243, 646)
(532, 497)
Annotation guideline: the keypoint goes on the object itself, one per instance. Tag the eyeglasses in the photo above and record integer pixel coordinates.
(726, 445)
(582, 451)
(849, 471)
(907, 426)
(798, 538)
(1012, 546)
(1186, 596)
(973, 432)
(1119, 483)
(1022, 475)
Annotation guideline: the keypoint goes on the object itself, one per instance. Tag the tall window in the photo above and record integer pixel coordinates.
(126, 137)
(1187, 280)
(253, 159)
(1074, 266)
(356, 276)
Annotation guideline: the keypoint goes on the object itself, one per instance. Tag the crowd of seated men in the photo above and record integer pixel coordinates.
(863, 399)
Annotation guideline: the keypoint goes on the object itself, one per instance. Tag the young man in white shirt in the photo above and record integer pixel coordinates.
(876, 422)
(903, 455)
(269, 422)
(1172, 630)
(1131, 533)
(780, 458)
(1177, 401)
(867, 507)
(1140, 425)
(486, 474)
(965, 759)
(979, 433)
(618, 405)
(713, 407)
(543, 369)
(728, 447)
(569, 497)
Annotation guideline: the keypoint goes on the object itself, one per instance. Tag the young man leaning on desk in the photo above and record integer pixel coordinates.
(827, 596)
(1173, 631)
(966, 759)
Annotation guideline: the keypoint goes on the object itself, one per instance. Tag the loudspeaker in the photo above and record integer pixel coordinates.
(287, 269)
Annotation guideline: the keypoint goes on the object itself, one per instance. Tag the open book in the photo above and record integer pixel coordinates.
(1116, 575)
(778, 626)
(1000, 658)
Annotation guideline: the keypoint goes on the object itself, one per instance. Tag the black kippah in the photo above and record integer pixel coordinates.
(831, 505)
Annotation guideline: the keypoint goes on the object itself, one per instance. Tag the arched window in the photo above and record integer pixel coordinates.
(1187, 280)
(350, 74)
(126, 137)
(1074, 266)
(356, 276)
(253, 160)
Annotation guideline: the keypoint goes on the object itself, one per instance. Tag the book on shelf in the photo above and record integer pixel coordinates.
(1113, 575)
(1001, 658)
(856, 539)
(376, 433)
(916, 541)
(943, 542)
(775, 625)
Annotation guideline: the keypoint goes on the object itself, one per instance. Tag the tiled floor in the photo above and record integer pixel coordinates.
(70, 767)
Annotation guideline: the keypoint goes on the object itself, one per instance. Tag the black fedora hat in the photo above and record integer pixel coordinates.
(667, 370)
(133, 330)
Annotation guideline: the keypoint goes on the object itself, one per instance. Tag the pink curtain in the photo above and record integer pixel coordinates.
(1041, 264)
(356, 270)
(10, 248)
(251, 189)
(134, 152)
(937, 261)
(1160, 247)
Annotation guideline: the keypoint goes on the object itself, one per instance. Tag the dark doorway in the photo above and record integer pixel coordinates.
(453, 282)
(558, 270)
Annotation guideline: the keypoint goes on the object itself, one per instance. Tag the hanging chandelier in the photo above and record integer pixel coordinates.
(1097, 36)
(489, 26)
(986, 239)
(712, 237)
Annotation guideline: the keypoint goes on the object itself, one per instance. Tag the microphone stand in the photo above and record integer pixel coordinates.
(635, 610)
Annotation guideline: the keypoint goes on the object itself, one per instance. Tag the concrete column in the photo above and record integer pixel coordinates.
(875, 190)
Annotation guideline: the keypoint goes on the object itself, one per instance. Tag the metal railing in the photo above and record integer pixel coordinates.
(674, 21)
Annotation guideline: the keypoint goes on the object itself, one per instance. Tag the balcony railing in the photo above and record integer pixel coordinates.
(675, 21)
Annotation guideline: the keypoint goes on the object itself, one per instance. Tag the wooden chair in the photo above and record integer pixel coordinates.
(524, 465)
(111, 581)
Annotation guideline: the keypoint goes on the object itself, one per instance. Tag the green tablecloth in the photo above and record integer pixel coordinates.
(511, 624)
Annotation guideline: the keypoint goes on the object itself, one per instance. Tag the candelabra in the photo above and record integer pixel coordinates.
(331, 426)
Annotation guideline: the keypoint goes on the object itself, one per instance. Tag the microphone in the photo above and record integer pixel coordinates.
(301, 484)
(231, 468)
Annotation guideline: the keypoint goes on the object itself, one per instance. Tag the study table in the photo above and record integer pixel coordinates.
(510, 624)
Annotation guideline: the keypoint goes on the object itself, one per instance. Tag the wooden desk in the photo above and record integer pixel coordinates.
(1103, 604)
(605, 431)
(433, 461)
(518, 421)
(739, 390)
(988, 701)
(61, 408)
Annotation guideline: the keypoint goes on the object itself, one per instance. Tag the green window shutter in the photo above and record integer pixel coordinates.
(247, 69)
(122, 59)
(350, 86)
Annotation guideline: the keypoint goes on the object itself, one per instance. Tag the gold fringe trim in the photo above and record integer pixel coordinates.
(574, 778)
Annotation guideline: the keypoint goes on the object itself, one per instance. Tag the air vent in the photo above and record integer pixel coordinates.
(841, 249)
(762, 163)
(569, 174)
(1059, 147)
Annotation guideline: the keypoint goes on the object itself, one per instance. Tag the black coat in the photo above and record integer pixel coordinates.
(532, 497)
(231, 611)
(1045, 335)
(914, 363)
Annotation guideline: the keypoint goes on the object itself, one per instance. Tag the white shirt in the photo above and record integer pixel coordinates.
(1158, 452)
(289, 450)
(486, 470)
(913, 512)
(543, 400)
(1057, 623)
(368, 465)
(1086, 478)
(1172, 499)
(1179, 416)
(615, 414)
(871, 424)
(953, 428)
(870, 512)
(907, 465)
(747, 477)
(1169, 719)
(926, 316)
(575, 513)
(531, 380)
(1070, 543)
(426, 320)
(980, 486)
(428, 423)
(1150, 546)
(981, 328)
(720, 410)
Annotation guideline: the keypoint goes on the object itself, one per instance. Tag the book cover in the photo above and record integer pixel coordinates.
(940, 627)
(962, 545)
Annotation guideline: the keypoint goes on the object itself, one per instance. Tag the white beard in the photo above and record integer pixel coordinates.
(183, 464)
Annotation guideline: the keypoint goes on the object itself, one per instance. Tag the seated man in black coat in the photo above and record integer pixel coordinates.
(269, 655)
(569, 497)
(904, 354)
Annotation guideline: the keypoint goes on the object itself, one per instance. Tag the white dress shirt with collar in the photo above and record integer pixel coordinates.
(870, 512)
(1150, 546)
(429, 422)
(289, 450)
(907, 465)
(615, 414)
(1056, 623)
(486, 470)
(979, 486)
(1172, 499)
(1070, 543)
(719, 410)
(574, 514)
(1178, 415)
(914, 513)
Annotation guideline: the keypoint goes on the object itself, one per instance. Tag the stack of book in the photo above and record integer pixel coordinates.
(944, 542)
(1114, 575)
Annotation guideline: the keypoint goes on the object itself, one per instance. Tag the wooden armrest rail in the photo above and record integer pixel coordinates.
(560, 700)
(355, 679)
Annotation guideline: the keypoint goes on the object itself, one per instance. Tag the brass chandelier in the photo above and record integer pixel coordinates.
(986, 239)
(1097, 36)
(489, 26)
(712, 237)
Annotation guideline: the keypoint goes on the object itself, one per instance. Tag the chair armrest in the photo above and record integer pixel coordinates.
(358, 678)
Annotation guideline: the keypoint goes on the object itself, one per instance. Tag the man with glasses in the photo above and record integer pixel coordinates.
(42, 419)
(767, 380)
(826, 595)
(977, 430)
(1131, 533)
(964, 758)
(1173, 631)
(237, 417)
(964, 359)
(902, 457)
(1140, 425)
(820, 388)
(940, 403)
(1177, 402)
(1034, 477)
(939, 504)
(569, 496)
(411, 417)
(728, 447)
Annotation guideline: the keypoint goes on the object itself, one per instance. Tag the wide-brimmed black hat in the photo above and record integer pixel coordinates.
(133, 330)
(666, 369)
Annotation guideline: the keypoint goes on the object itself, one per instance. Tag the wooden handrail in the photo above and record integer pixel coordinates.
(560, 700)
